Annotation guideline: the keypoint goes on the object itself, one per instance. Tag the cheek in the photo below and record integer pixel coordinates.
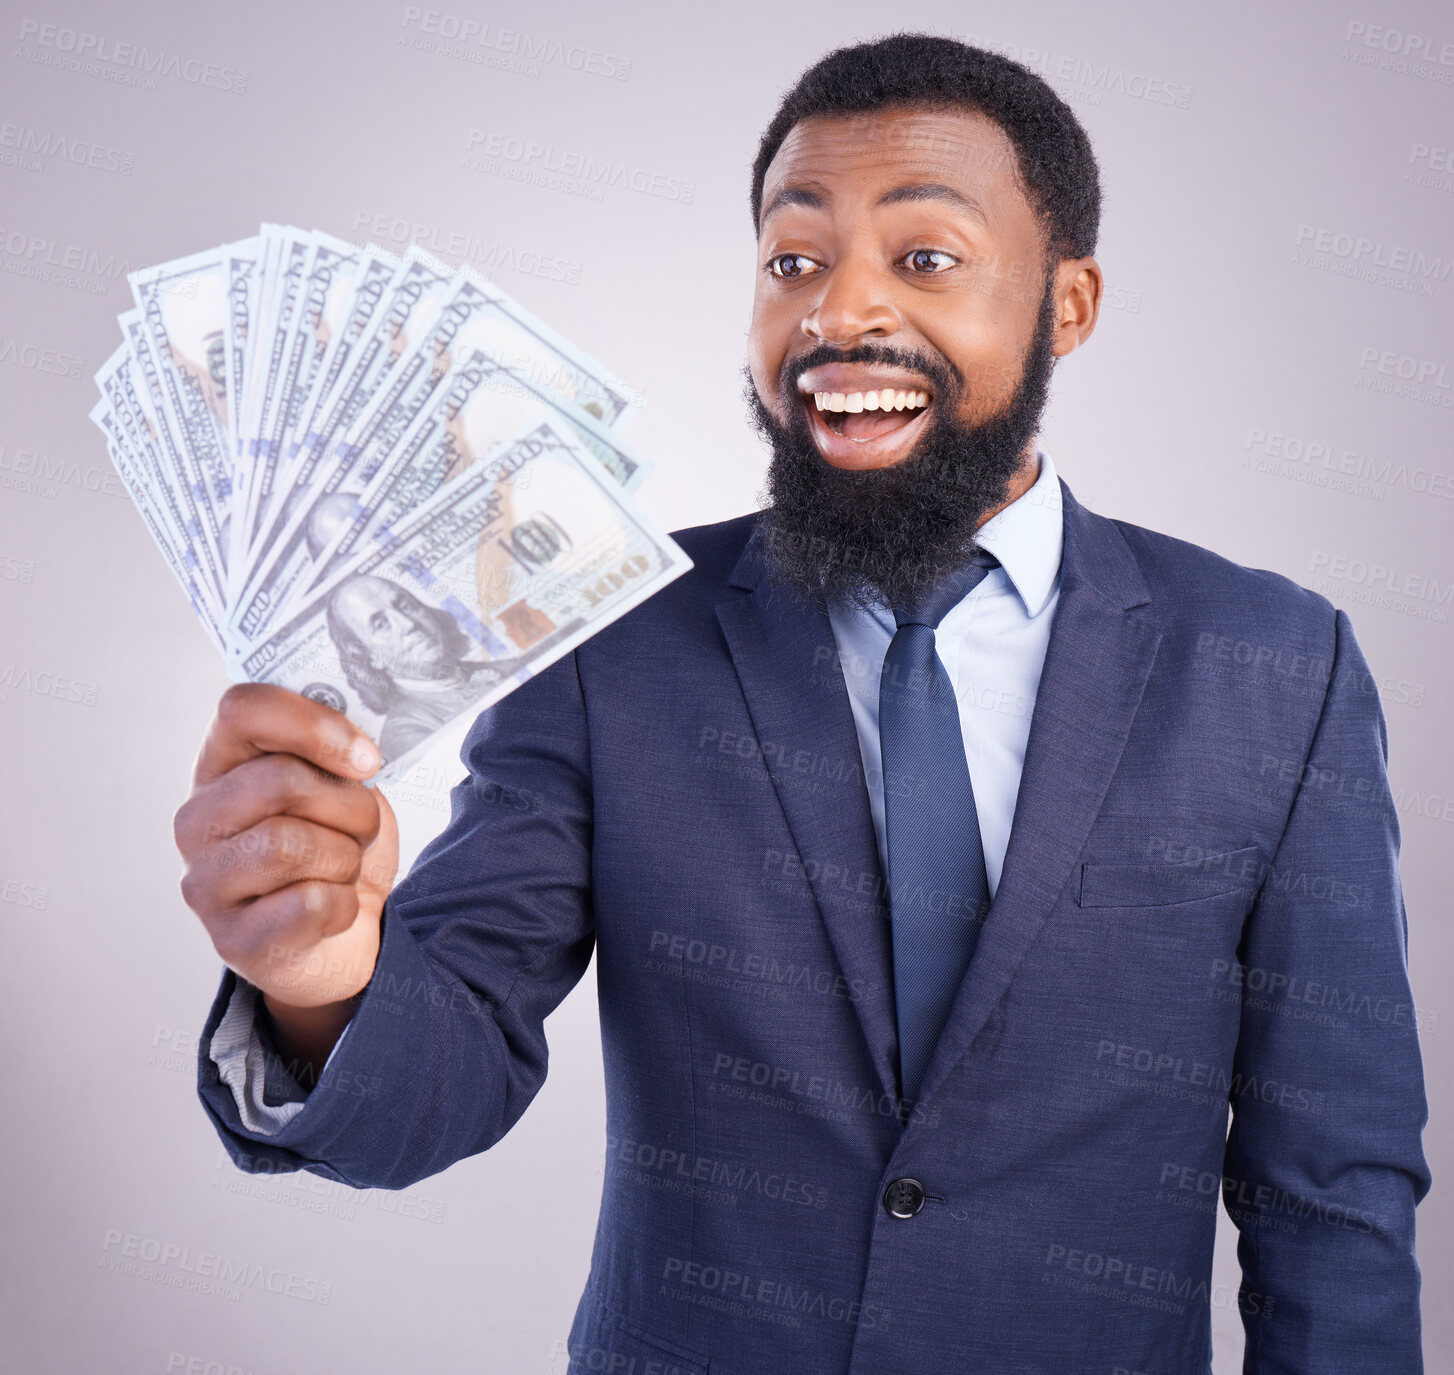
(987, 361)
(765, 354)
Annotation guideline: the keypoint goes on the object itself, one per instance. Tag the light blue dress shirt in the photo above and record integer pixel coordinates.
(992, 644)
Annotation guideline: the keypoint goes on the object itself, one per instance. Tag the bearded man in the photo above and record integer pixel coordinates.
(924, 834)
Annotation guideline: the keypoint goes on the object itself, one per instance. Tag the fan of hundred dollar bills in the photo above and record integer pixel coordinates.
(381, 482)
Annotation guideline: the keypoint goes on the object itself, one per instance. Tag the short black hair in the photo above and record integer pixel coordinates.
(1057, 168)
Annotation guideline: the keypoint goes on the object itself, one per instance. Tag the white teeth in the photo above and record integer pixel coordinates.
(888, 399)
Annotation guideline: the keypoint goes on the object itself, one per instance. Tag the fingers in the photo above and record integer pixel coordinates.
(381, 857)
(254, 719)
(284, 941)
(275, 785)
(275, 853)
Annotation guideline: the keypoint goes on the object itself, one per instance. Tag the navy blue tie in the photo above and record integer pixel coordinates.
(938, 889)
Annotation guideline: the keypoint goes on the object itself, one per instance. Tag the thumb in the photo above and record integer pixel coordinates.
(380, 860)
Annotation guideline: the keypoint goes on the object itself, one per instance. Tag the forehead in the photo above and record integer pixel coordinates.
(360, 598)
(859, 155)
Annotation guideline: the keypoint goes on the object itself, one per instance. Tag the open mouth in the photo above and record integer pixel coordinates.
(864, 415)
(866, 428)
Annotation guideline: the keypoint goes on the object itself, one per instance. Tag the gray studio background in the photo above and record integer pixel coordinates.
(1273, 377)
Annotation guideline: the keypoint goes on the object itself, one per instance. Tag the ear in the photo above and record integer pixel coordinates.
(1079, 287)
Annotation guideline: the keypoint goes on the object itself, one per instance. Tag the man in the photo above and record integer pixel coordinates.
(923, 833)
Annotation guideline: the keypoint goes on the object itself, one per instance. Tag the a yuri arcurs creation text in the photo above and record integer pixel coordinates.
(381, 482)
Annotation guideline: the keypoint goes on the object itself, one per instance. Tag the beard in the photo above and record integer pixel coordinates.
(887, 535)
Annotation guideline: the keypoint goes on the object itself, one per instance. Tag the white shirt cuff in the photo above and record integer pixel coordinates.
(237, 1051)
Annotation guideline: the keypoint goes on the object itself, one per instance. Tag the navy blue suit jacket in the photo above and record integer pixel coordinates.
(1200, 907)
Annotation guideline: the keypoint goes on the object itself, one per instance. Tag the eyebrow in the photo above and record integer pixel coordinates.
(913, 191)
(934, 191)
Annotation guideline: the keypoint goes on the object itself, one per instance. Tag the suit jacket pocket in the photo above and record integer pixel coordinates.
(1154, 883)
(603, 1340)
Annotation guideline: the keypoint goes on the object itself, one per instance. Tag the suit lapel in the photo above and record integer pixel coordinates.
(1096, 666)
(787, 662)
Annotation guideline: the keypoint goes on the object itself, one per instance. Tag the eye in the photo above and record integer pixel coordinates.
(928, 262)
(378, 622)
(790, 266)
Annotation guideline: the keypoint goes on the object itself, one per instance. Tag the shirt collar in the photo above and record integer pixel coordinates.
(1027, 538)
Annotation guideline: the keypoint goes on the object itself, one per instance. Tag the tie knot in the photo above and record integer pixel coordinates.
(931, 606)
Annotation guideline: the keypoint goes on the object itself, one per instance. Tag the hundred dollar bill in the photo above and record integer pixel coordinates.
(367, 293)
(512, 564)
(485, 402)
(242, 276)
(126, 425)
(410, 298)
(184, 304)
(183, 310)
(478, 316)
(131, 470)
(319, 300)
(362, 310)
(481, 403)
(526, 343)
(268, 381)
(409, 303)
(204, 518)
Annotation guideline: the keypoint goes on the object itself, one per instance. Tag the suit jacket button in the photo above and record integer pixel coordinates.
(904, 1197)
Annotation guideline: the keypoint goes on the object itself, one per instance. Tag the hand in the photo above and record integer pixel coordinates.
(288, 856)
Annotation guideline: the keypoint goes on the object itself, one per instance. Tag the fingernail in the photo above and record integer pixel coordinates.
(363, 755)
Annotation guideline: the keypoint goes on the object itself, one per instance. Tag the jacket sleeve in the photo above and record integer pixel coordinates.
(1324, 1163)
(489, 931)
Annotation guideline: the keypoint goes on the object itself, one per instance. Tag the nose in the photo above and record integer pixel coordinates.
(396, 624)
(855, 302)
